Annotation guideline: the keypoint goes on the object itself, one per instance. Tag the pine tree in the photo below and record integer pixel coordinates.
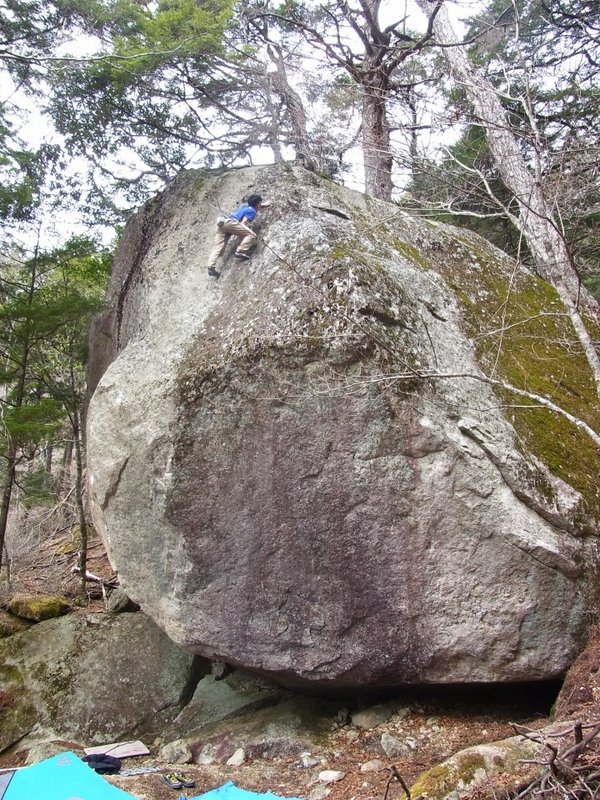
(46, 304)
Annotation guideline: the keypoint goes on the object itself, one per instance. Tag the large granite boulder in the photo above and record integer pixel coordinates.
(316, 468)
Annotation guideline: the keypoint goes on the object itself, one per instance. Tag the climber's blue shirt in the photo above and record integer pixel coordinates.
(243, 211)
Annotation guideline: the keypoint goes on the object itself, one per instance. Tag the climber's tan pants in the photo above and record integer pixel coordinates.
(231, 227)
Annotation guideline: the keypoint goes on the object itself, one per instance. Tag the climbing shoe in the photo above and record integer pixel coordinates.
(242, 256)
(185, 779)
(213, 273)
(172, 780)
(177, 780)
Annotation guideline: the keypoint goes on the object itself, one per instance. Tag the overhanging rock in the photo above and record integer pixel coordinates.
(305, 469)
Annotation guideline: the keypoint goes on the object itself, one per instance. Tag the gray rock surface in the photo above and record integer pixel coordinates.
(372, 716)
(281, 483)
(214, 700)
(176, 752)
(290, 728)
(119, 603)
(237, 759)
(392, 746)
(90, 680)
(9, 624)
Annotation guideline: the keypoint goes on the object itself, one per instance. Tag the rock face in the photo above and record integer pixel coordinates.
(91, 681)
(304, 469)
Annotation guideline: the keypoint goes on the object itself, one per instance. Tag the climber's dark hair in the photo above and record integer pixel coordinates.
(253, 200)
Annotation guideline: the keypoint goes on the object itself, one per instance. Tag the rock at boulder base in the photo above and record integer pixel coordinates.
(91, 683)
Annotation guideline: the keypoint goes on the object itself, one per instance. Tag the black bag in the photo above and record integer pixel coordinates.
(102, 763)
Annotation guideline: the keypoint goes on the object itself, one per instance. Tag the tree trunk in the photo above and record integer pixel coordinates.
(295, 108)
(11, 457)
(415, 169)
(377, 154)
(9, 482)
(536, 219)
(48, 453)
(83, 529)
(65, 469)
(274, 132)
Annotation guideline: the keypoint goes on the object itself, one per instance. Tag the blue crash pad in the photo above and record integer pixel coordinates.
(229, 791)
(63, 777)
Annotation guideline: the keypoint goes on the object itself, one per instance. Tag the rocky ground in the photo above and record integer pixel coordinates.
(351, 760)
(435, 730)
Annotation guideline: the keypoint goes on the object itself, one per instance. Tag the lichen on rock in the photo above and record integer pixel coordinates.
(476, 767)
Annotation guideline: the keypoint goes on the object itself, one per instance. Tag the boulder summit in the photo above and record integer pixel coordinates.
(316, 468)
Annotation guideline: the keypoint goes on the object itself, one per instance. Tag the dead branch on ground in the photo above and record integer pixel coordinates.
(395, 775)
(569, 769)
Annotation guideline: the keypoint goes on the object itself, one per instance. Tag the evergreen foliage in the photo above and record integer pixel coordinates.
(46, 302)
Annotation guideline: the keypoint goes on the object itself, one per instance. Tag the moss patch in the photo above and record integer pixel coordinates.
(412, 254)
(17, 714)
(457, 773)
(523, 337)
(37, 608)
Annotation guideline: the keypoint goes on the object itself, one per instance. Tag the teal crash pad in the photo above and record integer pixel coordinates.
(229, 791)
(63, 777)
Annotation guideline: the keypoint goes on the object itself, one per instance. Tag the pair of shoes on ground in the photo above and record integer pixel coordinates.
(177, 780)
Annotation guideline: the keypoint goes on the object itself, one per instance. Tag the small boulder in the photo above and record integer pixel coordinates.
(372, 766)
(331, 776)
(476, 766)
(373, 716)
(393, 747)
(176, 752)
(237, 759)
(38, 607)
(306, 761)
(320, 792)
(118, 602)
(91, 679)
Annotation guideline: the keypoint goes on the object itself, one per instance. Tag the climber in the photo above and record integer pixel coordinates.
(237, 224)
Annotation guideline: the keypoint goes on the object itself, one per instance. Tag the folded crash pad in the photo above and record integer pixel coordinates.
(119, 749)
(63, 777)
(229, 791)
